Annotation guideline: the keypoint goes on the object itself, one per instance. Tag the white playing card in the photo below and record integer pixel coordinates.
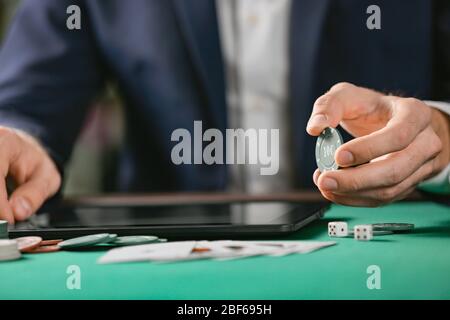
(303, 247)
(149, 252)
(273, 248)
(237, 249)
(222, 249)
(219, 250)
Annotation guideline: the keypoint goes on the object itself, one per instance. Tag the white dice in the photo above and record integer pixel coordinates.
(363, 232)
(337, 229)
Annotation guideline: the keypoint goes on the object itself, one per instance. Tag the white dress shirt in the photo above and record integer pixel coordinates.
(254, 35)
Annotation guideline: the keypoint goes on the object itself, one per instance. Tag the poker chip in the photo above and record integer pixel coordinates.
(28, 245)
(50, 242)
(136, 240)
(85, 241)
(45, 249)
(38, 245)
(9, 250)
(327, 143)
(111, 238)
(25, 244)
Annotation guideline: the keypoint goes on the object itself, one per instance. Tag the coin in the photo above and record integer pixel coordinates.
(327, 143)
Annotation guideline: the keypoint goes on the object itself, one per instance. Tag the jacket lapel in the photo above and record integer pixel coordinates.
(198, 21)
(308, 18)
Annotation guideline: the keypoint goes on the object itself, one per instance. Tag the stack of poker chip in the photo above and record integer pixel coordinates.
(9, 250)
(108, 239)
(3, 229)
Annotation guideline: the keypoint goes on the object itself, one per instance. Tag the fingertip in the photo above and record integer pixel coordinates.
(327, 183)
(317, 124)
(313, 131)
(21, 207)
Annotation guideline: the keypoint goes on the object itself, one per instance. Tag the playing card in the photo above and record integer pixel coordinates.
(227, 250)
(219, 250)
(234, 249)
(149, 252)
(301, 247)
(222, 249)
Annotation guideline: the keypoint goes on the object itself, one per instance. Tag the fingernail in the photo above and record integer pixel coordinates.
(329, 184)
(345, 158)
(317, 120)
(22, 208)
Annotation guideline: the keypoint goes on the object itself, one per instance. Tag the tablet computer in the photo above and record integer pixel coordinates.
(187, 221)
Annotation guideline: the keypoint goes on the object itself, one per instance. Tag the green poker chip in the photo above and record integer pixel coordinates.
(111, 238)
(135, 240)
(86, 241)
(327, 143)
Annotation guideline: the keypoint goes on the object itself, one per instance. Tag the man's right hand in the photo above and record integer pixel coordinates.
(33, 172)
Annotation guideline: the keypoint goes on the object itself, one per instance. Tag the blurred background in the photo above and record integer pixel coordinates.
(92, 168)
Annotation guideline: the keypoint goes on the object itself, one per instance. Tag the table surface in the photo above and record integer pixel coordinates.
(413, 266)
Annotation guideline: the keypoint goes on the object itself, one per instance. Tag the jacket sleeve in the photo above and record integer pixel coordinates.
(48, 75)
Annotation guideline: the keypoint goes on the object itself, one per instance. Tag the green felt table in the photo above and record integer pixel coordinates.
(413, 266)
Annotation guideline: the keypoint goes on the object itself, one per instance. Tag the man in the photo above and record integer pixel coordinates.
(248, 64)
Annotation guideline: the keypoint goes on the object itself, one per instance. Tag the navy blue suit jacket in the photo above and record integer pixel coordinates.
(166, 58)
